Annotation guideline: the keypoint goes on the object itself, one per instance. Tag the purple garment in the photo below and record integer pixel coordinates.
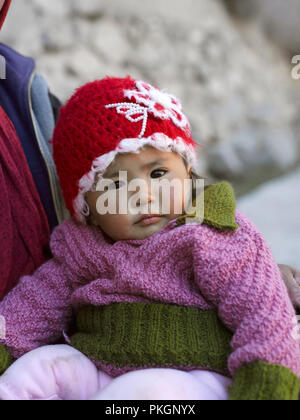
(16, 101)
(233, 273)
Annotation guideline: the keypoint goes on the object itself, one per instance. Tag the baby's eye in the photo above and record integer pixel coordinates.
(118, 184)
(159, 170)
(115, 185)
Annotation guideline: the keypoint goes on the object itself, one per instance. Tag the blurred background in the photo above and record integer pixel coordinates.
(230, 63)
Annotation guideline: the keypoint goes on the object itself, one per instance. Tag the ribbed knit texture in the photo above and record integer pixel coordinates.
(219, 208)
(5, 359)
(136, 334)
(195, 265)
(261, 381)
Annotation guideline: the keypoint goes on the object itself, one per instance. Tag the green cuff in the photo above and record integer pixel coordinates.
(5, 359)
(262, 381)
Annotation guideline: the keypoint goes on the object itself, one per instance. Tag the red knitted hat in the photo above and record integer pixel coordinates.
(111, 116)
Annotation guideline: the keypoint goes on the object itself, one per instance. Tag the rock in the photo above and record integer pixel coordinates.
(274, 209)
(281, 22)
(89, 9)
(243, 9)
(279, 19)
(51, 9)
(53, 68)
(250, 149)
(224, 162)
(109, 41)
(57, 36)
(24, 40)
(81, 62)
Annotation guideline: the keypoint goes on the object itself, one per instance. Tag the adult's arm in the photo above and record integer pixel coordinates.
(38, 310)
(24, 229)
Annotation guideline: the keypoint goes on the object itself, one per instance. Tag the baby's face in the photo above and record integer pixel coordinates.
(169, 166)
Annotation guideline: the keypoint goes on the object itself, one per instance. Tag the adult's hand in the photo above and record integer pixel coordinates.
(291, 277)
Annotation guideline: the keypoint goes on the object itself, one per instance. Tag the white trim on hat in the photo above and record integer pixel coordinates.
(131, 145)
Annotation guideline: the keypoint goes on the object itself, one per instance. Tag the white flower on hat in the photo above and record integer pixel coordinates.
(160, 103)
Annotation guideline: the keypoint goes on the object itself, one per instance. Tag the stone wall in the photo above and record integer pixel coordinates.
(278, 19)
(234, 81)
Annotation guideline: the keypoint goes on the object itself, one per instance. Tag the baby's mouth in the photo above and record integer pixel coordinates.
(147, 219)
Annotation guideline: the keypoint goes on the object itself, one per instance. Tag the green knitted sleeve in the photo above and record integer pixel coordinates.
(5, 359)
(261, 381)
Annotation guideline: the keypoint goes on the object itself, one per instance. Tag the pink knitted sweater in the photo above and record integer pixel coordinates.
(195, 265)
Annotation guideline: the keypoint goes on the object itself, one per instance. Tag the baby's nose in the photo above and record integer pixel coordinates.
(146, 196)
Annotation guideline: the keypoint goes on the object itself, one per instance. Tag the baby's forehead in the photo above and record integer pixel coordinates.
(145, 157)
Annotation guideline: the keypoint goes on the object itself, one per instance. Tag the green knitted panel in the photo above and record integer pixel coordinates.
(142, 334)
(219, 207)
(5, 359)
(264, 381)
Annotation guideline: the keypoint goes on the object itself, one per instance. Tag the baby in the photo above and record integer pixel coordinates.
(168, 304)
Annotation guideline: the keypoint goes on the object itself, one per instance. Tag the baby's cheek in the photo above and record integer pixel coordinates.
(117, 226)
(177, 202)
